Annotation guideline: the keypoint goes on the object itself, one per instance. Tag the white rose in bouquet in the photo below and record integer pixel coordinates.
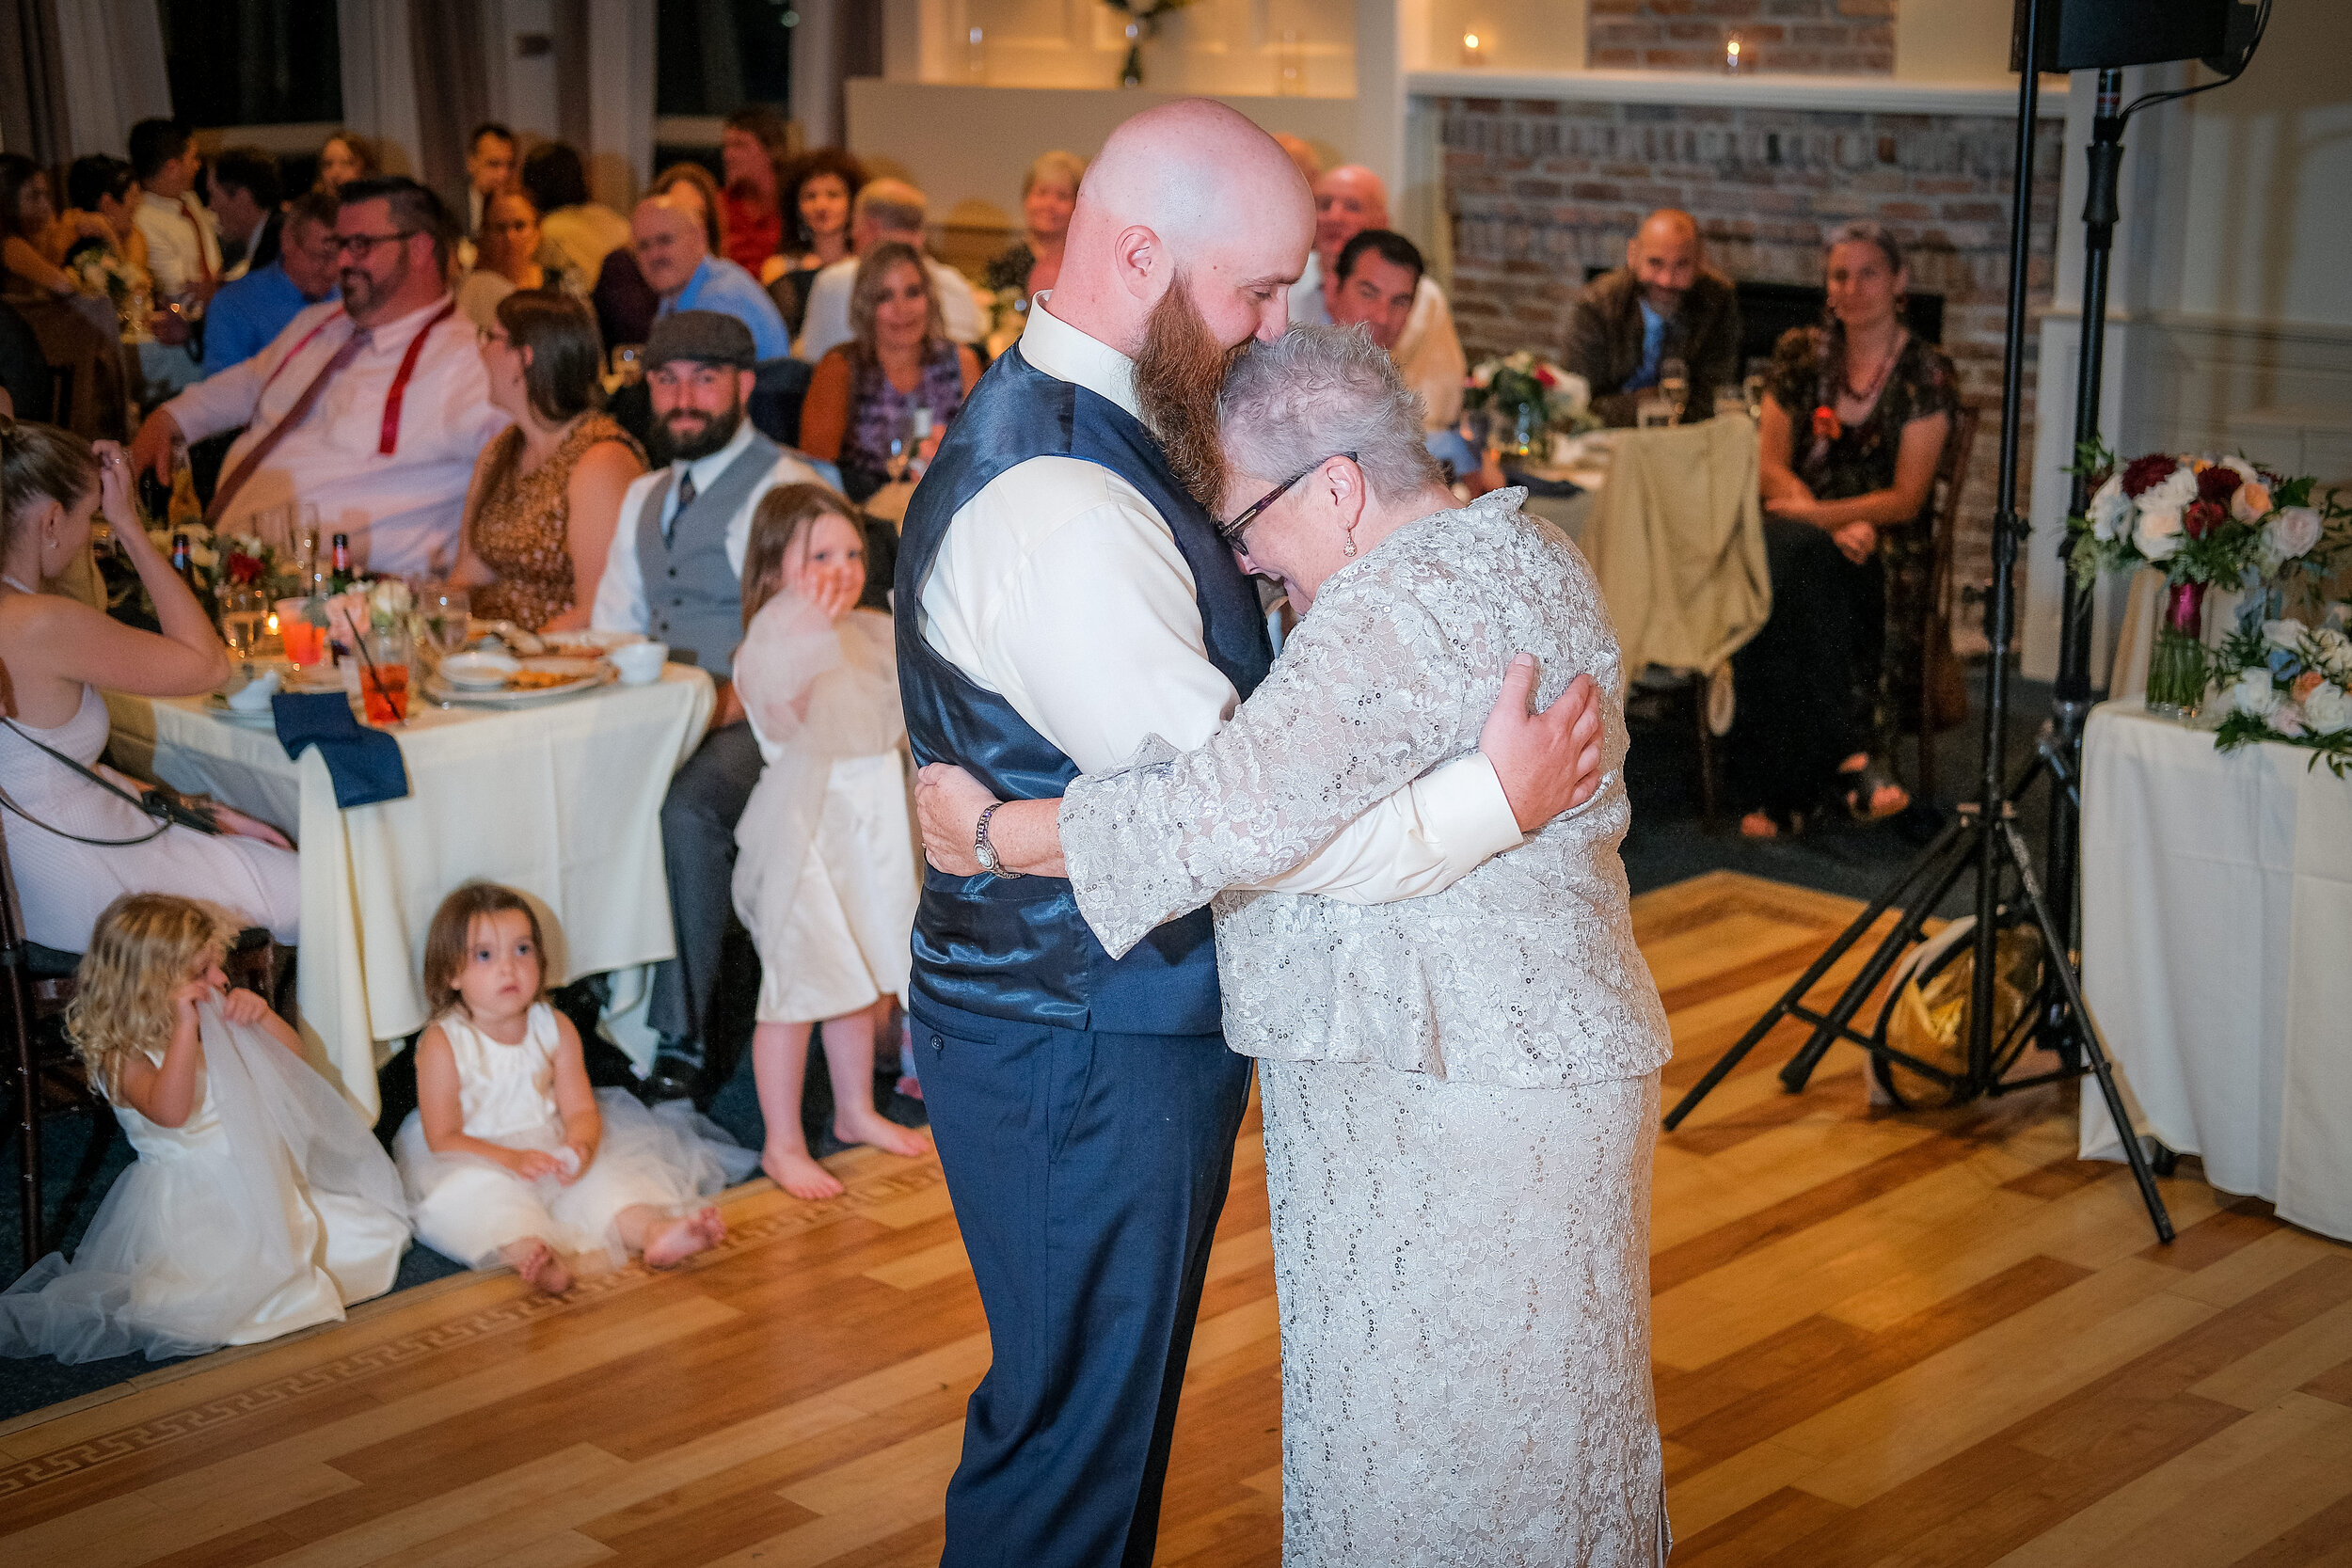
(2287, 719)
(2157, 530)
(2328, 709)
(2110, 511)
(2335, 654)
(2177, 492)
(2252, 694)
(2287, 633)
(2292, 532)
(389, 601)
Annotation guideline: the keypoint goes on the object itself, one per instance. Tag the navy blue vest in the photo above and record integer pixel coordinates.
(1019, 949)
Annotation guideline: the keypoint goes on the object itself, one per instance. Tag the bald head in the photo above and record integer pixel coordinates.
(1348, 200)
(1302, 152)
(1191, 188)
(1664, 256)
(667, 237)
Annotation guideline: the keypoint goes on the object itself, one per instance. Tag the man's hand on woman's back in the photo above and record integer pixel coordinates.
(1546, 762)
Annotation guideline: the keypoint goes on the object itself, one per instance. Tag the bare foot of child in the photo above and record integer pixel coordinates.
(539, 1266)
(872, 1127)
(797, 1174)
(679, 1239)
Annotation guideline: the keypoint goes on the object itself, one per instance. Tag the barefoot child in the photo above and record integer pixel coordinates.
(511, 1155)
(824, 872)
(260, 1203)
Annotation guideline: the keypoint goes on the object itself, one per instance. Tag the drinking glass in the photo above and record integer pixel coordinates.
(902, 444)
(302, 542)
(628, 364)
(1674, 384)
(1730, 400)
(1754, 389)
(244, 612)
(384, 676)
(1653, 412)
(306, 644)
(447, 611)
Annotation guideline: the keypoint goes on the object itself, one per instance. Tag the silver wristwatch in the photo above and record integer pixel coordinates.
(984, 851)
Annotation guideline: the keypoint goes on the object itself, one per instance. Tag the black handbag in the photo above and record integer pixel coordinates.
(170, 808)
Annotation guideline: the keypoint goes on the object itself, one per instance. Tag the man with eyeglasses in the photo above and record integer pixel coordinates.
(249, 313)
(372, 408)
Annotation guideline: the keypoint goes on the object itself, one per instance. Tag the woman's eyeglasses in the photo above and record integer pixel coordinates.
(1232, 532)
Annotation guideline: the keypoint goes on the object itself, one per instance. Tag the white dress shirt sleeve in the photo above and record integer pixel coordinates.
(1429, 355)
(621, 591)
(227, 401)
(1090, 629)
(958, 307)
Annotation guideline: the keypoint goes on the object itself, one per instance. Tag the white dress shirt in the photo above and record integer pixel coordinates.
(1061, 588)
(178, 247)
(825, 324)
(1428, 353)
(401, 509)
(621, 591)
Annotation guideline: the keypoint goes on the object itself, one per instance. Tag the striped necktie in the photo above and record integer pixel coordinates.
(278, 432)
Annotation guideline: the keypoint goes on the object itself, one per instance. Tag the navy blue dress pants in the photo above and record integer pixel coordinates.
(1087, 1172)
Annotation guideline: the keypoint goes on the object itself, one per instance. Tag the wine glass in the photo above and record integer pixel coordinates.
(902, 444)
(447, 615)
(1674, 384)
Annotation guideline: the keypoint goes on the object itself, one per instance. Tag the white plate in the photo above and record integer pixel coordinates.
(587, 674)
(482, 672)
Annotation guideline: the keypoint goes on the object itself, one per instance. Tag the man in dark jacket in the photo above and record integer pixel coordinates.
(1663, 304)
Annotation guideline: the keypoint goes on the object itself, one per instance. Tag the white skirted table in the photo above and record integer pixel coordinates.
(2218, 956)
(561, 801)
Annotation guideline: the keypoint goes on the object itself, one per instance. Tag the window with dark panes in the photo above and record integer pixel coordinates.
(713, 56)
(252, 62)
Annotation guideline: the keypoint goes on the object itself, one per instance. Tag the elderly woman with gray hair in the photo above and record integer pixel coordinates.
(1460, 1090)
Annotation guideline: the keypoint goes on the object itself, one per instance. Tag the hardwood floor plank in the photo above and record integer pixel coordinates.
(1883, 1340)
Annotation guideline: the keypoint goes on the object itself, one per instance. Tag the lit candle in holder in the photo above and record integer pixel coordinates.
(1731, 55)
(1472, 55)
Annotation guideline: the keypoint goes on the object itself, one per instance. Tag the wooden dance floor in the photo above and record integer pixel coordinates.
(1880, 1340)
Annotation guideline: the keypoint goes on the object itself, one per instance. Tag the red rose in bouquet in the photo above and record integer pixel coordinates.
(1825, 424)
(2202, 518)
(242, 568)
(2144, 474)
(2217, 484)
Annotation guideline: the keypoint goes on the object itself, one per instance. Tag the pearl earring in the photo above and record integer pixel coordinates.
(1350, 548)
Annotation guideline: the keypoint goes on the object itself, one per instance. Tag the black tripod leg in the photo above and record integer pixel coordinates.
(1795, 994)
(2055, 961)
(1798, 1068)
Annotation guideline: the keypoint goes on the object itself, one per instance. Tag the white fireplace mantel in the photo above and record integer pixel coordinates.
(1848, 94)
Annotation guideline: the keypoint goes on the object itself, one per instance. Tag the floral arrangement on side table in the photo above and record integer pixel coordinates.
(1532, 397)
(2227, 522)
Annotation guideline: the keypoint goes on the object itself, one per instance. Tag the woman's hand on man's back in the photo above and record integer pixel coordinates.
(1548, 762)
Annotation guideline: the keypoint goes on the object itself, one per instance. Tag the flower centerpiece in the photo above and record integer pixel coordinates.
(2285, 680)
(1528, 399)
(101, 271)
(2204, 522)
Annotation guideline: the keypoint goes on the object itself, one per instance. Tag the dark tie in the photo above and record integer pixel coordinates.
(685, 499)
(278, 432)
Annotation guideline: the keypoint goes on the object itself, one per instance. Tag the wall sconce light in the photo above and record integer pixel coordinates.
(1474, 50)
(1731, 55)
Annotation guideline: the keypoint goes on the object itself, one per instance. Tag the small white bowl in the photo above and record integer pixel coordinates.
(640, 663)
(482, 672)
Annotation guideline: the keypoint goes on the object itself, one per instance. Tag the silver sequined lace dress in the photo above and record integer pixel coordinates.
(1460, 1090)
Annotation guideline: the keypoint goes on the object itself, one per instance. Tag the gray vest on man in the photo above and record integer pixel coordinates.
(693, 599)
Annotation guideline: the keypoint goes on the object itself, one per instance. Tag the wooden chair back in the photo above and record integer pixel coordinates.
(1943, 683)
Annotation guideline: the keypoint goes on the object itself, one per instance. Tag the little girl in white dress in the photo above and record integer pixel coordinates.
(824, 869)
(260, 1204)
(511, 1155)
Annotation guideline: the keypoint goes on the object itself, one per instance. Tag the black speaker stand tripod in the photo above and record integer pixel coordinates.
(1983, 837)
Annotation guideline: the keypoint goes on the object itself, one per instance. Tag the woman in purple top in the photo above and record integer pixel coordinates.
(897, 363)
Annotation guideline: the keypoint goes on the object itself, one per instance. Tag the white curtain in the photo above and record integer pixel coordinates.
(112, 57)
(379, 78)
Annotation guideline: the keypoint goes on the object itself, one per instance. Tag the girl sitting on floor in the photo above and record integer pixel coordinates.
(824, 870)
(511, 1156)
(260, 1202)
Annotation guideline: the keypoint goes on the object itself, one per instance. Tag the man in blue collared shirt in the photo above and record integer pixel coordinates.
(248, 315)
(674, 253)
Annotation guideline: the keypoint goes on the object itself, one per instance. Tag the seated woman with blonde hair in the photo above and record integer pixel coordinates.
(897, 364)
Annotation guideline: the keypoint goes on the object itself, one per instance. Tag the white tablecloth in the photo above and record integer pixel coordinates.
(561, 801)
(2218, 956)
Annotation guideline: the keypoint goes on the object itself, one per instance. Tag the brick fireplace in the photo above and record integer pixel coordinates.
(1817, 36)
(1537, 190)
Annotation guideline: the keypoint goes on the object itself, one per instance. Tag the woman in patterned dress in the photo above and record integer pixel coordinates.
(1854, 419)
(546, 497)
(898, 358)
(1460, 1089)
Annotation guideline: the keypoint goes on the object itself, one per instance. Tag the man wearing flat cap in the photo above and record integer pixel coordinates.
(675, 573)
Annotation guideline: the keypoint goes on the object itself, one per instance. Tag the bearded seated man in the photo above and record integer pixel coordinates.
(674, 573)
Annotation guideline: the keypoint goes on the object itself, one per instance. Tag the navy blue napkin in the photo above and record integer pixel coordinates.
(364, 762)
